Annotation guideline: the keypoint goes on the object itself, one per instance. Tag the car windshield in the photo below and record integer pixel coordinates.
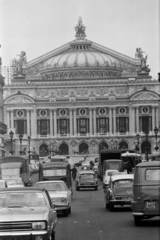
(123, 183)
(14, 181)
(22, 199)
(87, 176)
(52, 186)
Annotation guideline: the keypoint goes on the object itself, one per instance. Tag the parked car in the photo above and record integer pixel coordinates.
(107, 176)
(86, 179)
(119, 191)
(14, 182)
(95, 168)
(27, 213)
(59, 193)
(146, 191)
(3, 184)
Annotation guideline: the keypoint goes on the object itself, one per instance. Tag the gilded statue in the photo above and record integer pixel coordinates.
(19, 63)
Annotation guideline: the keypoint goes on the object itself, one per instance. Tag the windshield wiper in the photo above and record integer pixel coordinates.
(15, 206)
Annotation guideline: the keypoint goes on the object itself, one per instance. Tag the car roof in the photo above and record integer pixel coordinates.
(111, 170)
(26, 189)
(86, 171)
(56, 181)
(151, 163)
(113, 160)
(121, 177)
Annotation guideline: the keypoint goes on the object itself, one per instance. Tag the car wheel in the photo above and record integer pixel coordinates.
(111, 207)
(77, 188)
(107, 205)
(137, 220)
(53, 235)
(69, 210)
(96, 188)
(66, 212)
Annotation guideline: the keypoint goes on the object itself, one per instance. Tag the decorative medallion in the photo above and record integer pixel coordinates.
(43, 113)
(20, 113)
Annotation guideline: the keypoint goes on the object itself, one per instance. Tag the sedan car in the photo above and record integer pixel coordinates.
(27, 213)
(59, 193)
(119, 191)
(107, 175)
(86, 179)
(14, 182)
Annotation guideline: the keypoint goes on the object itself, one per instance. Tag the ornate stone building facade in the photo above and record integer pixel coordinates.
(82, 97)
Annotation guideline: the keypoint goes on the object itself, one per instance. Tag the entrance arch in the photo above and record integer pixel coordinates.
(103, 146)
(123, 145)
(146, 147)
(43, 150)
(83, 148)
(63, 149)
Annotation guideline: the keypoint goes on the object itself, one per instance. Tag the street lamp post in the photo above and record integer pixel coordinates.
(146, 134)
(156, 134)
(29, 152)
(138, 137)
(11, 136)
(20, 139)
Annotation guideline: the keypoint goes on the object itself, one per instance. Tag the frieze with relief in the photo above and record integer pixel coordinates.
(102, 91)
(121, 91)
(19, 99)
(82, 92)
(42, 94)
(145, 96)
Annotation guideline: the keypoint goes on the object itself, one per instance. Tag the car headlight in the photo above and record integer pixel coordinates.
(64, 200)
(38, 225)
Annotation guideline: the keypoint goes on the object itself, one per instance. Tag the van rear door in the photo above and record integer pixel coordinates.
(150, 192)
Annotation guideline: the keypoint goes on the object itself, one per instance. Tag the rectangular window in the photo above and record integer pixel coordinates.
(153, 174)
(122, 124)
(63, 126)
(43, 127)
(145, 124)
(102, 125)
(20, 126)
(83, 126)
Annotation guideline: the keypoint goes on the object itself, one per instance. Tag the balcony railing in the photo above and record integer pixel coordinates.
(3, 128)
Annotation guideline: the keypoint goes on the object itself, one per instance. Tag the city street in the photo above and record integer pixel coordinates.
(90, 220)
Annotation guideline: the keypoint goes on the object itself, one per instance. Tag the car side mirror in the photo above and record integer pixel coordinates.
(53, 205)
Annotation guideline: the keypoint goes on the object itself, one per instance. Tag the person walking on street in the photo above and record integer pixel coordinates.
(74, 173)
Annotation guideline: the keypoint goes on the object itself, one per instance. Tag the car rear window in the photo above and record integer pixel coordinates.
(152, 174)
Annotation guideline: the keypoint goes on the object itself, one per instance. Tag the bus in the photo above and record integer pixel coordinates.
(57, 170)
(15, 166)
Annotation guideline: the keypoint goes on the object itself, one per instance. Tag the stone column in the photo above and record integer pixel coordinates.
(90, 121)
(94, 121)
(5, 115)
(157, 116)
(7, 119)
(55, 122)
(71, 123)
(153, 119)
(51, 122)
(114, 121)
(28, 123)
(12, 122)
(75, 123)
(110, 120)
(34, 123)
(130, 120)
(137, 119)
(133, 120)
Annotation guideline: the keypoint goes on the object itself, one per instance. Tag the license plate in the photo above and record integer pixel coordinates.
(151, 205)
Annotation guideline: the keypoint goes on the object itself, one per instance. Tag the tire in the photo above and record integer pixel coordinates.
(137, 220)
(53, 237)
(96, 188)
(107, 205)
(111, 207)
(77, 188)
(66, 212)
(69, 210)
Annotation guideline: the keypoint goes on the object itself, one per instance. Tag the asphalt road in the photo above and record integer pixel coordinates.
(90, 220)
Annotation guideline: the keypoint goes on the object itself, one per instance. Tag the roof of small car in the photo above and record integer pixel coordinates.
(151, 163)
(121, 177)
(26, 189)
(52, 181)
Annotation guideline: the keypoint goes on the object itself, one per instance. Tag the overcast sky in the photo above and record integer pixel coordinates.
(40, 26)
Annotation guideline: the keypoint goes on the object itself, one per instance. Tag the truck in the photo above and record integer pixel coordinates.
(109, 159)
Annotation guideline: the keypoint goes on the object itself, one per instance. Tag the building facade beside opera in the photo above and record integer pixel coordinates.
(80, 98)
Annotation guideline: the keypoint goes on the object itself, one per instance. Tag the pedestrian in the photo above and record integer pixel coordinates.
(129, 167)
(74, 172)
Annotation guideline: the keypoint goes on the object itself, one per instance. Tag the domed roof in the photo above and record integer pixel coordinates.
(81, 59)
